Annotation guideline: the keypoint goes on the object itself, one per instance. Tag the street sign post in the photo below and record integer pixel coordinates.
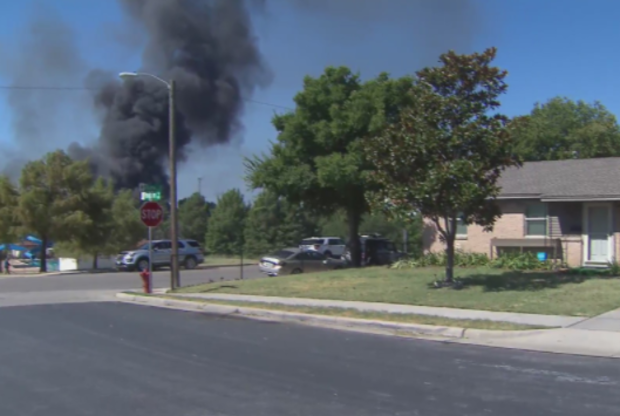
(151, 214)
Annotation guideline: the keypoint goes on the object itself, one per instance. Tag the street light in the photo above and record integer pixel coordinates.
(174, 226)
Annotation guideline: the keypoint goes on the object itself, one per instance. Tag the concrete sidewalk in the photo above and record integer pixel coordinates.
(551, 321)
(559, 340)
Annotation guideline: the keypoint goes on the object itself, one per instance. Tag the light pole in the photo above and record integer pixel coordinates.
(175, 280)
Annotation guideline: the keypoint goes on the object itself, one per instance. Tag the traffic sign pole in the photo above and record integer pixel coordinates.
(151, 257)
(151, 214)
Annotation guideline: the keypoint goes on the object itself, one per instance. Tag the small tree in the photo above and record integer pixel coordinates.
(274, 223)
(51, 203)
(127, 228)
(226, 228)
(444, 157)
(194, 216)
(263, 223)
(94, 234)
(9, 218)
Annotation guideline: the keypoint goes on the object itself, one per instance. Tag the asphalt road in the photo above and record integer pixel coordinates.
(109, 359)
(118, 281)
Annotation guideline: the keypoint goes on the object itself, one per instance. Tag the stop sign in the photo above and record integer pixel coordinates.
(151, 214)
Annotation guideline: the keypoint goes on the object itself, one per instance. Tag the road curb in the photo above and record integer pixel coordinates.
(363, 325)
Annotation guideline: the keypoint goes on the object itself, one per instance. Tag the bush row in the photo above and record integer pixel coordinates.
(516, 261)
(512, 261)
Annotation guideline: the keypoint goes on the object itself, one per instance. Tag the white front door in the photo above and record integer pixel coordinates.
(599, 233)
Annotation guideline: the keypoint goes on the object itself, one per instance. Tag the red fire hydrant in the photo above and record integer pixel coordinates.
(146, 281)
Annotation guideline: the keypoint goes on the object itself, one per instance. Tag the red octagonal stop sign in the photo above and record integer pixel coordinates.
(151, 214)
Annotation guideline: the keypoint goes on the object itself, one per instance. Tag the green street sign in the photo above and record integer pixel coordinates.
(150, 193)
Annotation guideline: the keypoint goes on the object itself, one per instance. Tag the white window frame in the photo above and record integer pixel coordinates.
(528, 219)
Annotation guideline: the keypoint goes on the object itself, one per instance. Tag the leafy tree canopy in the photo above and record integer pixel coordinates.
(318, 158)
(53, 195)
(445, 155)
(274, 223)
(9, 216)
(564, 129)
(194, 213)
(226, 228)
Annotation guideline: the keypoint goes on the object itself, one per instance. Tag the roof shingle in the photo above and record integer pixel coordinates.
(563, 179)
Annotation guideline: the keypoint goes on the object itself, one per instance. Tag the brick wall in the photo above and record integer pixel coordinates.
(512, 225)
(509, 225)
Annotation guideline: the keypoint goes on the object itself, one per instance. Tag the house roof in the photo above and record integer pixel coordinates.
(570, 180)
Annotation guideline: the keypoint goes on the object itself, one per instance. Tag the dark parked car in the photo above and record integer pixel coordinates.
(376, 251)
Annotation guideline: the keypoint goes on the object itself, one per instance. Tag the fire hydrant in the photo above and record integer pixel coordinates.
(146, 281)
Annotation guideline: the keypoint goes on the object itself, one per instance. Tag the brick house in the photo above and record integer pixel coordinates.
(568, 209)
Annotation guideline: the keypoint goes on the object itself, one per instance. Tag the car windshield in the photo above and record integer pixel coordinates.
(311, 242)
(281, 254)
(144, 247)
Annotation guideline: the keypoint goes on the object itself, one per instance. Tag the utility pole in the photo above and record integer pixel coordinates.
(199, 185)
(174, 220)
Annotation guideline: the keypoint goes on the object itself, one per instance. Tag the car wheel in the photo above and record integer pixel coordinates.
(143, 264)
(328, 254)
(296, 271)
(190, 263)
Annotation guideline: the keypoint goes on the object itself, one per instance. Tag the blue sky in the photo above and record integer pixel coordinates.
(549, 47)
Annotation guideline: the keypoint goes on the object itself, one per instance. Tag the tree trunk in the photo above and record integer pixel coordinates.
(451, 237)
(43, 255)
(95, 258)
(354, 218)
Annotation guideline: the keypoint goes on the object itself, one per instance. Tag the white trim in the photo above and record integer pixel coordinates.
(594, 200)
(586, 232)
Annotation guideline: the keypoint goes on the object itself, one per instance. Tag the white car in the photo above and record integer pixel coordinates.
(329, 246)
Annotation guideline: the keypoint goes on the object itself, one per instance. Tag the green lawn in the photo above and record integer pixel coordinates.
(214, 261)
(486, 289)
(380, 316)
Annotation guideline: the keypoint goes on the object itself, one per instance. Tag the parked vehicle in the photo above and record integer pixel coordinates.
(376, 251)
(330, 246)
(297, 260)
(191, 254)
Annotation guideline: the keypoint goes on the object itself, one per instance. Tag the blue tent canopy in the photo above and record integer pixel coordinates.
(12, 247)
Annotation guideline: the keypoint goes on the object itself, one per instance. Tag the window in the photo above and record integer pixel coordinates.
(315, 255)
(335, 242)
(461, 227)
(536, 220)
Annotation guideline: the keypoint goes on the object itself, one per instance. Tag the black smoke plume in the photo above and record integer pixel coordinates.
(208, 47)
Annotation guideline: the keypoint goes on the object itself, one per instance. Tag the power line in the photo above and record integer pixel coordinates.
(53, 88)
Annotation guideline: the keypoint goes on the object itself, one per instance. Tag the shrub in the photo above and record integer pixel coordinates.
(516, 261)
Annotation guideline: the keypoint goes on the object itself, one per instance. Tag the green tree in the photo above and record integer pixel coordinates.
(128, 228)
(194, 214)
(263, 224)
(444, 157)
(9, 218)
(93, 236)
(274, 223)
(52, 195)
(226, 226)
(565, 129)
(318, 158)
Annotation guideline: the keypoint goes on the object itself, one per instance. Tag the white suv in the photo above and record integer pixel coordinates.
(330, 246)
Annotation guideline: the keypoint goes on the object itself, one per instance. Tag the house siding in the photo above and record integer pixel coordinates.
(509, 225)
(565, 221)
